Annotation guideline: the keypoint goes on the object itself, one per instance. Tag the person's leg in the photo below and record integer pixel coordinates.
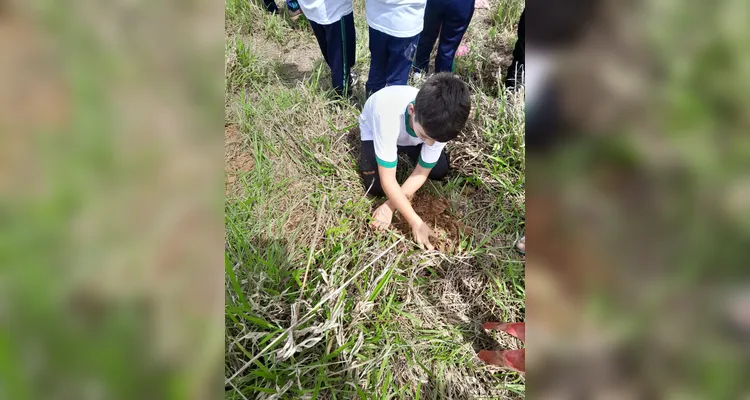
(340, 38)
(270, 6)
(442, 168)
(456, 21)
(368, 168)
(432, 21)
(400, 56)
(351, 47)
(320, 35)
(515, 70)
(378, 61)
(439, 171)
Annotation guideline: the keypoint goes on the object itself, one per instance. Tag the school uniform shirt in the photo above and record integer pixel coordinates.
(385, 121)
(325, 12)
(399, 18)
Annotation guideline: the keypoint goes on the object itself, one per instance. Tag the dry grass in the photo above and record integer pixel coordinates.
(375, 317)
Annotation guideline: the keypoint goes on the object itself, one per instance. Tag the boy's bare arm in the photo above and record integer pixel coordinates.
(400, 202)
(415, 181)
(398, 198)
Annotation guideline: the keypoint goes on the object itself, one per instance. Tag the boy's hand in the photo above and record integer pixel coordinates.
(422, 234)
(382, 217)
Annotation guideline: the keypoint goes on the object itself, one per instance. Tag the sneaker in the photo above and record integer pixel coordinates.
(272, 9)
(419, 77)
(294, 10)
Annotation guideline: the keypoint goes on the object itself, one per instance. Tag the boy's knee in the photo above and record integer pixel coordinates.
(442, 169)
(438, 174)
(371, 182)
(374, 189)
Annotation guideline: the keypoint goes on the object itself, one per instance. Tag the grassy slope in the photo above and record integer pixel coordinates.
(370, 323)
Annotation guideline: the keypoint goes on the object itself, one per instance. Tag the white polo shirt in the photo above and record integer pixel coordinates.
(385, 121)
(325, 12)
(399, 18)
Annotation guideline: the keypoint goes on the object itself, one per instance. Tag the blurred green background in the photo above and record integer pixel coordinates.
(110, 200)
(640, 216)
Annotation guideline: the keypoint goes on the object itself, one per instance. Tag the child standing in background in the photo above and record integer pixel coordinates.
(332, 21)
(394, 27)
(448, 19)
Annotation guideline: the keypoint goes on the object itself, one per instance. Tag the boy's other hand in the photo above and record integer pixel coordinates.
(381, 218)
(422, 234)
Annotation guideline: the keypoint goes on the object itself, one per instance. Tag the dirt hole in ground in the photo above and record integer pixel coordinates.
(235, 159)
(435, 211)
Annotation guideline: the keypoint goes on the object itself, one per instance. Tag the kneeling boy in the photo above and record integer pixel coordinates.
(418, 122)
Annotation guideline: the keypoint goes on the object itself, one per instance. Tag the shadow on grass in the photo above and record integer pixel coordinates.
(290, 73)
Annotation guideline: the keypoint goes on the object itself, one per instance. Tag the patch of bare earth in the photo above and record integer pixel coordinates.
(435, 211)
(295, 59)
(236, 159)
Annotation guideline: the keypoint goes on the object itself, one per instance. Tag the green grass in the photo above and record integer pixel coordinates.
(505, 14)
(376, 318)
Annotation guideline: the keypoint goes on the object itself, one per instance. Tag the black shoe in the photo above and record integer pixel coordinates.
(271, 7)
(294, 10)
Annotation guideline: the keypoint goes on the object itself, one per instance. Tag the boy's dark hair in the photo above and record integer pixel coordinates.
(442, 106)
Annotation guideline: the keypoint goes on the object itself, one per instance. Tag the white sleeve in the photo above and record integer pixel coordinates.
(429, 155)
(385, 140)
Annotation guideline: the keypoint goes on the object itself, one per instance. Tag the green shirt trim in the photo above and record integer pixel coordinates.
(386, 164)
(345, 71)
(426, 164)
(406, 122)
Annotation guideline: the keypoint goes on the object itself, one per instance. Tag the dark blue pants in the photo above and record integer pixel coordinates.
(337, 42)
(390, 60)
(273, 8)
(448, 19)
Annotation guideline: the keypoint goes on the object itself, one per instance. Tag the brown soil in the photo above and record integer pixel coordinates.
(235, 159)
(435, 211)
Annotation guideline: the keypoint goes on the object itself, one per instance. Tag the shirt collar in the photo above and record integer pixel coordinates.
(409, 130)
